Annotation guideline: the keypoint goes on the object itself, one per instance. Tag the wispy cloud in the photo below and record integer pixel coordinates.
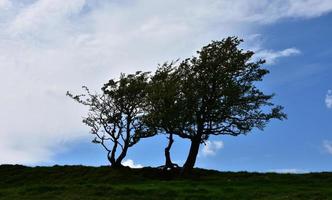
(46, 14)
(130, 163)
(272, 56)
(288, 171)
(327, 145)
(211, 147)
(328, 99)
(5, 4)
(266, 11)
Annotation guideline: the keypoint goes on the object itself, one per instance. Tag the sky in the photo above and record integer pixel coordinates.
(50, 46)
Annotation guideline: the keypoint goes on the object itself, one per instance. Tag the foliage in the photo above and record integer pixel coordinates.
(163, 109)
(163, 98)
(115, 116)
(219, 94)
(211, 94)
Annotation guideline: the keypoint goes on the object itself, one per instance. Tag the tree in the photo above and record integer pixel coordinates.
(218, 95)
(115, 116)
(163, 109)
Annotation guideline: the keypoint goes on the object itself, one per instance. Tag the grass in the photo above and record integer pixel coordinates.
(83, 183)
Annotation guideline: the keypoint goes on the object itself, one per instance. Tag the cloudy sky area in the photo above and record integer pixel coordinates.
(50, 46)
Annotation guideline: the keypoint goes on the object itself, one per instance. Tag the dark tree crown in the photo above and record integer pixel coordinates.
(218, 92)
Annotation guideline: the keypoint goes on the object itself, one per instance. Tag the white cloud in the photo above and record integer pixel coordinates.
(211, 147)
(308, 8)
(327, 146)
(5, 4)
(50, 46)
(269, 11)
(130, 163)
(288, 171)
(45, 14)
(328, 99)
(271, 56)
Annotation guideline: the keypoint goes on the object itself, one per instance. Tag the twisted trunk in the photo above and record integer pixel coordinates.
(121, 156)
(168, 161)
(111, 158)
(111, 154)
(126, 144)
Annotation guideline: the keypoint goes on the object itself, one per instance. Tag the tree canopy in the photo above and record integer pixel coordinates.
(219, 96)
(213, 93)
(115, 116)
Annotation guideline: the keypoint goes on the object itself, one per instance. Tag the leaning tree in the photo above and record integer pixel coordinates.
(218, 95)
(115, 116)
(163, 110)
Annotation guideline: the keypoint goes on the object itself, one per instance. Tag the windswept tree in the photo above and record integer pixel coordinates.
(211, 94)
(163, 108)
(115, 116)
(219, 97)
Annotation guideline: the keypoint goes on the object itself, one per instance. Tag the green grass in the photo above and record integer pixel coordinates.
(82, 183)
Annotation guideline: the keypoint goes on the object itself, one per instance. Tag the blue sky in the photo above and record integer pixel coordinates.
(48, 47)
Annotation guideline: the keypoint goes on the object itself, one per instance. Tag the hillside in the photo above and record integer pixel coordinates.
(80, 182)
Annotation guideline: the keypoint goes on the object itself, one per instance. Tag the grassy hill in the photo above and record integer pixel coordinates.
(80, 182)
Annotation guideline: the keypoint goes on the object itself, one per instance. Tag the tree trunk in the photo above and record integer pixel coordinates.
(191, 159)
(168, 162)
(111, 158)
(117, 165)
(111, 154)
(123, 154)
(125, 144)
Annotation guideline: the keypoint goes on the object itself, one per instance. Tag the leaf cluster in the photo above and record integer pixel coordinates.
(213, 93)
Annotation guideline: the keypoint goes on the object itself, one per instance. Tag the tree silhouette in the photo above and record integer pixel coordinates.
(218, 95)
(211, 94)
(163, 109)
(115, 116)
